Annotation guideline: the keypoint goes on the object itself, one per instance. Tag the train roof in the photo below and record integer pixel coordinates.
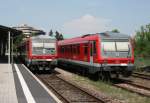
(104, 35)
(44, 38)
(112, 35)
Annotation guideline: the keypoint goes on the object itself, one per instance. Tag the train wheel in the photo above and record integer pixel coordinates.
(105, 76)
(127, 73)
(117, 75)
(52, 67)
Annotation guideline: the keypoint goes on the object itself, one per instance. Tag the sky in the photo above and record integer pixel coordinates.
(77, 17)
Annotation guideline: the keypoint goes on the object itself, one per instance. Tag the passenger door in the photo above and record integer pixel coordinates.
(91, 52)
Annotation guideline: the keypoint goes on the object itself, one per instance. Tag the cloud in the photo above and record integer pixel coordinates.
(86, 24)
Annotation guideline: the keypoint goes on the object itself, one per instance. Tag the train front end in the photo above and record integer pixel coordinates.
(117, 55)
(42, 53)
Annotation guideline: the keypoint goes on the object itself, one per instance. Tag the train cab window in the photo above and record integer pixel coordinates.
(122, 46)
(94, 47)
(91, 49)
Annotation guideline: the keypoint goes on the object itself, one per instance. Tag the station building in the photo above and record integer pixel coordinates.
(28, 30)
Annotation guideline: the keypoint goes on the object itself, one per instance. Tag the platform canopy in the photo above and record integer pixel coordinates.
(5, 30)
(6, 35)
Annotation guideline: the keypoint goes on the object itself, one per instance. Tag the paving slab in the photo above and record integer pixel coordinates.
(7, 85)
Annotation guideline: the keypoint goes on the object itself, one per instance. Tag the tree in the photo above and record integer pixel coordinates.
(142, 41)
(18, 41)
(61, 37)
(33, 34)
(58, 36)
(51, 33)
(115, 31)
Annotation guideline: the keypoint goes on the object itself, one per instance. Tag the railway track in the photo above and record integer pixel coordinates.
(133, 87)
(140, 75)
(68, 92)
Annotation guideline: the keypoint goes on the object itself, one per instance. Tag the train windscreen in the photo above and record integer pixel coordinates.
(43, 47)
(122, 46)
(116, 48)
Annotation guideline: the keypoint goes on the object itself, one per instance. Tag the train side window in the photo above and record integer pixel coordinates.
(78, 49)
(63, 49)
(75, 49)
(66, 49)
(85, 49)
(71, 49)
(60, 49)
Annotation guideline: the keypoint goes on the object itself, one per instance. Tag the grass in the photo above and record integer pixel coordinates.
(114, 92)
(141, 62)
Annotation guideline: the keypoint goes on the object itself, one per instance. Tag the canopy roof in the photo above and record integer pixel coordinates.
(4, 30)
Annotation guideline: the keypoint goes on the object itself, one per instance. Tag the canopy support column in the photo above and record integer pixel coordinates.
(8, 47)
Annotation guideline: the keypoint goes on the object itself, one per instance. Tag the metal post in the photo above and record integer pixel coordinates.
(12, 50)
(8, 47)
(1, 52)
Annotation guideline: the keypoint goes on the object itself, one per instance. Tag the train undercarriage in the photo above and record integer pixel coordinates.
(108, 73)
(39, 66)
(99, 73)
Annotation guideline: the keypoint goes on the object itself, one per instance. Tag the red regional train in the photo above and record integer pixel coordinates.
(103, 54)
(39, 53)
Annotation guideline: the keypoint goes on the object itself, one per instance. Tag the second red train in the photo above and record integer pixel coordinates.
(103, 54)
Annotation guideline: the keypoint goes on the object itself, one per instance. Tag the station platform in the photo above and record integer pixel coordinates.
(19, 85)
